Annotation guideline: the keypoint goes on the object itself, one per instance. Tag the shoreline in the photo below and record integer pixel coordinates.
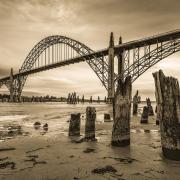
(56, 157)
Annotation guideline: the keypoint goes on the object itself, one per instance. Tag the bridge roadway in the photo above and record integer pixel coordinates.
(104, 52)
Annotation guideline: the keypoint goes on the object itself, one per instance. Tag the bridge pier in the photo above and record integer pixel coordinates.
(14, 86)
(18, 89)
(111, 69)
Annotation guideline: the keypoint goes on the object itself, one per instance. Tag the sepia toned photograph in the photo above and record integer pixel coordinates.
(89, 90)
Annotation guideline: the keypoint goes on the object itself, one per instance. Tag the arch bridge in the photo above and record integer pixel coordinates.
(134, 58)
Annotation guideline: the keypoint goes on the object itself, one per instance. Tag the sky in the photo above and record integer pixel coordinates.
(23, 23)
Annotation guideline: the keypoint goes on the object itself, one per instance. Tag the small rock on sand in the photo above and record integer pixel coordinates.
(125, 160)
(88, 150)
(37, 123)
(77, 140)
(106, 169)
(45, 127)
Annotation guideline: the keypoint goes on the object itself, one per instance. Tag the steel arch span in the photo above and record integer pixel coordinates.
(55, 51)
(58, 49)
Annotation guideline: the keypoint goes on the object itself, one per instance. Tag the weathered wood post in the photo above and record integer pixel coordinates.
(135, 103)
(157, 115)
(74, 125)
(90, 100)
(90, 123)
(168, 104)
(105, 100)
(150, 108)
(107, 117)
(78, 99)
(74, 101)
(144, 115)
(98, 99)
(82, 99)
(122, 111)
(71, 98)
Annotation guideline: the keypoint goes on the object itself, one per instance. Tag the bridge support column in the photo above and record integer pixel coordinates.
(111, 69)
(19, 90)
(11, 86)
(120, 61)
(14, 86)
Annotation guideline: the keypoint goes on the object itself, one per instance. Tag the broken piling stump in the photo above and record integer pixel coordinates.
(122, 110)
(74, 125)
(150, 108)
(144, 115)
(168, 101)
(90, 100)
(90, 123)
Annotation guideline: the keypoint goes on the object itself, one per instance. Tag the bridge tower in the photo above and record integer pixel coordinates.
(120, 61)
(111, 86)
(14, 86)
(11, 86)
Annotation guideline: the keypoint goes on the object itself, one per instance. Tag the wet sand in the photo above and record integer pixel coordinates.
(50, 157)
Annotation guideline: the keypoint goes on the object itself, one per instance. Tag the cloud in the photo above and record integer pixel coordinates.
(4, 71)
(24, 23)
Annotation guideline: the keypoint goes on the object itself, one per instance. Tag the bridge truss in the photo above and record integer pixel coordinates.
(139, 59)
(56, 51)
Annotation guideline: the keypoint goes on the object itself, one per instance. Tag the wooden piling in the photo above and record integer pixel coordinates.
(150, 108)
(98, 99)
(74, 125)
(105, 99)
(144, 115)
(157, 115)
(70, 98)
(90, 123)
(78, 99)
(122, 110)
(107, 117)
(90, 100)
(135, 103)
(82, 99)
(168, 103)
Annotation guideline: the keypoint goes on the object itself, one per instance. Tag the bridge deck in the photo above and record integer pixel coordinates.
(150, 40)
(44, 68)
(104, 52)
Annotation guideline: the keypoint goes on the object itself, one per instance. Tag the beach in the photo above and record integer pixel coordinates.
(27, 153)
